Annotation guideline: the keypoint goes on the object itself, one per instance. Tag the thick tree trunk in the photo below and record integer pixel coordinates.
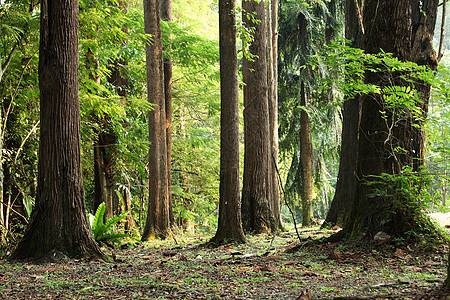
(346, 182)
(229, 226)
(257, 216)
(389, 26)
(306, 159)
(157, 223)
(58, 221)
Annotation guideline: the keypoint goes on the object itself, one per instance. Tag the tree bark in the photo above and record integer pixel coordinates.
(306, 159)
(442, 35)
(272, 62)
(157, 223)
(424, 14)
(346, 182)
(103, 177)
(166, 15)
(229, 225)
(389, 26)
(58, 221)
(257, 215)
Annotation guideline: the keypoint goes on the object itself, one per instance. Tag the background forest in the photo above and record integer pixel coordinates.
(114, 118)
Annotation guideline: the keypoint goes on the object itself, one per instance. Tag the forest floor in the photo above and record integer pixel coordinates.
(266, 267)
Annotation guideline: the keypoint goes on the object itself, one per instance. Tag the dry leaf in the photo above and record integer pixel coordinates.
(309, 273)
(273, 258)
(334, 255)
(268, 269)
(183, 258)
(287, 247)
(169, 253)
(50, 270)
(234, 252)
(291, 263)
(305, 295)
(414, 268)
(337, 274)
(399, 252)
(33, 277)
(336, 228)
(225, 246)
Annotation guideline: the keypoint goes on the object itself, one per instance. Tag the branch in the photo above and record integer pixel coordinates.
(360, 19)
(9, 59)
(26, 138)
(441, 42)
(13, 94)
(285, 199)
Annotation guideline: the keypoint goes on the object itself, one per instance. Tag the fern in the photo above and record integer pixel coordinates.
(105, 231)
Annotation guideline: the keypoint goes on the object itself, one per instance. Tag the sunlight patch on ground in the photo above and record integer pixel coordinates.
(442, 218)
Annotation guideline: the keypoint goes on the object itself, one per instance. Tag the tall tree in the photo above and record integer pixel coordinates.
(306, 158)
(389, 26)
(346, 182)
(272, 66)
(166, 15)
(229, 226)
(58, 221)
(257, 208)
(157, 223)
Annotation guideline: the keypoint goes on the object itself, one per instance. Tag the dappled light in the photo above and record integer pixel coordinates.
(187, 149)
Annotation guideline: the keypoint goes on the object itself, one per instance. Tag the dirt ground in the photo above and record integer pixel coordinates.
(264, 268)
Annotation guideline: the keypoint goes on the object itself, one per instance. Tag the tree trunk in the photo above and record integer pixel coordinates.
(346, 182)
(3, 224)
(157, 223)
(306, 159)
(447, 280)
(58, 221)
(389, 26)
(166, 15)
(229, 226)
(126, 195)
(272, 62)
(424, 14)
(257, 216)
(103, 180)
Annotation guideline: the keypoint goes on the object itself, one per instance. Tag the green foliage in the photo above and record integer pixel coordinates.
(105, 232)
(405, 194)
(304, 29)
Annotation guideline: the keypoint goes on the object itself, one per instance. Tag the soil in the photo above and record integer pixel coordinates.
(266, 267)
